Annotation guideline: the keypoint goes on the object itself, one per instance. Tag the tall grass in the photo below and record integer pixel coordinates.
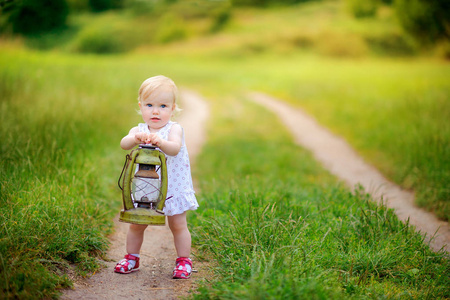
(277, 226)
(395, 113)
(57, 189)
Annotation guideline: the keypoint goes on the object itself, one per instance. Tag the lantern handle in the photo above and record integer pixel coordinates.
(127, 158)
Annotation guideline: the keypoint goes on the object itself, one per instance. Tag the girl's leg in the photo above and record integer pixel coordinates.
(181, 234)
(135, 238)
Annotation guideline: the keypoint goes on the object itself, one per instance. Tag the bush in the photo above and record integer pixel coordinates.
(102, 5)
(221, 17)
(340, 45)
(99, 40)
(171, 28)
(391, 44)
(262, 3)
(78, 5)
(33, 17)
(362, 9)
(427, 20)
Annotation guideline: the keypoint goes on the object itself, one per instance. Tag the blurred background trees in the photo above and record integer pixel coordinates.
(424, 21)
(428, 20)
(33, 17)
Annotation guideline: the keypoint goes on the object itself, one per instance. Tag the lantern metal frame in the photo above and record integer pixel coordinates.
(147, 155)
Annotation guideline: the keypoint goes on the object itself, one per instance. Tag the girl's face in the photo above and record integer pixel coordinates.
(157, 109)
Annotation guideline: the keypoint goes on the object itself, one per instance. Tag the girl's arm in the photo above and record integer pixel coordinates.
(172, 145)
(131, 140)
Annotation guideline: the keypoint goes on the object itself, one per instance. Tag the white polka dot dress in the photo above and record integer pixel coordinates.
(180, 191)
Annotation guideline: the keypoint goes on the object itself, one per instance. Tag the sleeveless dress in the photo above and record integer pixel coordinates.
(180, 191)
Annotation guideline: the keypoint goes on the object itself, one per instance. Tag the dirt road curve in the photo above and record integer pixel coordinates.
(153, 280)
(341, 160)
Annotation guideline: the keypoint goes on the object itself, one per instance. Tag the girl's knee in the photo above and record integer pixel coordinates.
(177, 222)
(137, 228)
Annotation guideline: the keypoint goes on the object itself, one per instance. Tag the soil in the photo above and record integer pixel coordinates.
(154, 281)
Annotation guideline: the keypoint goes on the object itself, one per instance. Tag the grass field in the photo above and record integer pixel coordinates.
(394, 113)
(280, 224)
(60, 133)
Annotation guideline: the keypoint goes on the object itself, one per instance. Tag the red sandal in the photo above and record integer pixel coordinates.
(183, 268)
(124, 266)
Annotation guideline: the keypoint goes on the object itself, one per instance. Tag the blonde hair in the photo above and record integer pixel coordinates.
(154, 83)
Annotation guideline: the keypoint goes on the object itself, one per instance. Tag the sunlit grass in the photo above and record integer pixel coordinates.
(279, 227)
(57, 190)
(394, 112)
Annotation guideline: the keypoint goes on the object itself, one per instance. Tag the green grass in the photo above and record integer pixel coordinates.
(395, 113)
(56, 202)
(62, 118)
(277, 226)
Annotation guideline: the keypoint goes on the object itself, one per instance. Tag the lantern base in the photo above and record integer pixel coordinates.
(142, 216)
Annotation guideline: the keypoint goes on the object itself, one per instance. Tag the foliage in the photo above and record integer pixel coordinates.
(263, 3)
(77, 6)
(109, 33)
(171, 28)
(427, 20)
(99, 40)
(102, 5)
(33, 17)
(392, 43)
(81, 6)
(314, 26)
(221, 18)
(361, 9)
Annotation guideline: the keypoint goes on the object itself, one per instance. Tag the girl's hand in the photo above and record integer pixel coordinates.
(147, 138)
(140, 138)
(154, 139)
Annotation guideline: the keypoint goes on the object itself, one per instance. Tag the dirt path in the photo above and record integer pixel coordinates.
(341, 160)
(153, 280)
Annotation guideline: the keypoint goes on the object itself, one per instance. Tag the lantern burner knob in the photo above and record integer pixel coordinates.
(144, 202)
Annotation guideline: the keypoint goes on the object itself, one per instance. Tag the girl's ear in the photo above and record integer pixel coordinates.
(174, 106)
(139, 104)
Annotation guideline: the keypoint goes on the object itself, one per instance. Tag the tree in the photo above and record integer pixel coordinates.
(102, 5)
(428, 20)
(33, 17)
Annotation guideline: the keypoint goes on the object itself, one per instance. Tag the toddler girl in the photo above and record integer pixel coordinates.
(157, 102)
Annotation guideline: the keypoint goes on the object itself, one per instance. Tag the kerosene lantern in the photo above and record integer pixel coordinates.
(143, 190)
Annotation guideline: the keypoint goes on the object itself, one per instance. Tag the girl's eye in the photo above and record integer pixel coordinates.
(149, 105)
(163, 105)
